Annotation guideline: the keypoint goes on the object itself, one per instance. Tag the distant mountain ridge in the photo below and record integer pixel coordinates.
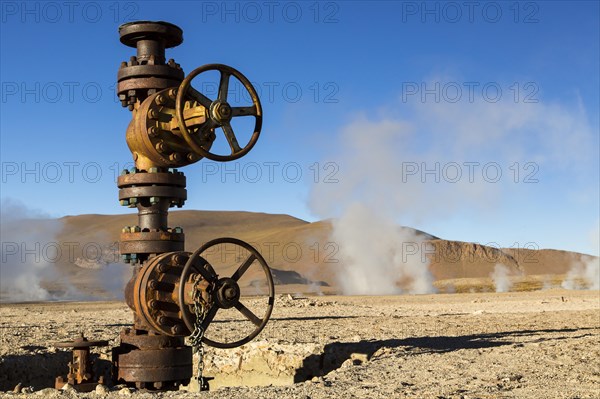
(301, 253)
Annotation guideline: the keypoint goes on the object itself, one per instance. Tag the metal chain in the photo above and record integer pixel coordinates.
(200, 310)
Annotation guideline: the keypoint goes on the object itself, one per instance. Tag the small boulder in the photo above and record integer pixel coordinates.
(101, 389)
(68, 388)
(47, 392)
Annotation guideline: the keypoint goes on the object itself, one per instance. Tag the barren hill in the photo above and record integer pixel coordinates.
(302, 254)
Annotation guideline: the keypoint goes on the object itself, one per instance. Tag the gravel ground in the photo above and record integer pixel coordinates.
(542, 344)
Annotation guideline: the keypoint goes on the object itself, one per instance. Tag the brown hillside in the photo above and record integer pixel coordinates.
(301, 253)
(457, 259)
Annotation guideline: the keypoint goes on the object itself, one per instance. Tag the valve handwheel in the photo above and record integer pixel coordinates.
(225, 291)
(219, 112)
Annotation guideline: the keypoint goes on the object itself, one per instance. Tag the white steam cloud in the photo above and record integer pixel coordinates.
(409, 164)
(585, 272)
(367, 201)
(501, 279)
(375, 255)
(22, 267)
(36, 267)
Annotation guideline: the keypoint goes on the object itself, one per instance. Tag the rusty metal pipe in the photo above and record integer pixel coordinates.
(147, 49)
(154, 217)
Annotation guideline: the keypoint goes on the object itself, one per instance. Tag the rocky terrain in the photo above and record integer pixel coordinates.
(541, 344)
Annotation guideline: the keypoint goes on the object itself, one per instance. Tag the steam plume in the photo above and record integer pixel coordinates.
(375, 193)
(36, 267)
(22, 265)
(585, 272)
(500, 278)
(367, 202)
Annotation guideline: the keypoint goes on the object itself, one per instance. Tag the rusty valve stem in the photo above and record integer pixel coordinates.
(81, 373)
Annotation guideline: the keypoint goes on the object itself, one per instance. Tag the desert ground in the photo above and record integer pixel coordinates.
(537, 344)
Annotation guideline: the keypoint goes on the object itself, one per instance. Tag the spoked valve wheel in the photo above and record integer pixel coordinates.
(225, 292)
(219, 112)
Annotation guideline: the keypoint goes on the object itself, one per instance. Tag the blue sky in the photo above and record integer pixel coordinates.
(509, 87)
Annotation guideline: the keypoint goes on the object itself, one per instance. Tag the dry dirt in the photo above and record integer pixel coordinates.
(542, 344)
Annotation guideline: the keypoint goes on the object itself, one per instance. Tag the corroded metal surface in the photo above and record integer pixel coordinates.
(153, 134)
(173, 125)
(152, 361)
(147, 72)
(81, 371)
(155, 294)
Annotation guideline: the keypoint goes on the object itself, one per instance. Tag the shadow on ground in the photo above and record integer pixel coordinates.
(335, 354)
(40, 370)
